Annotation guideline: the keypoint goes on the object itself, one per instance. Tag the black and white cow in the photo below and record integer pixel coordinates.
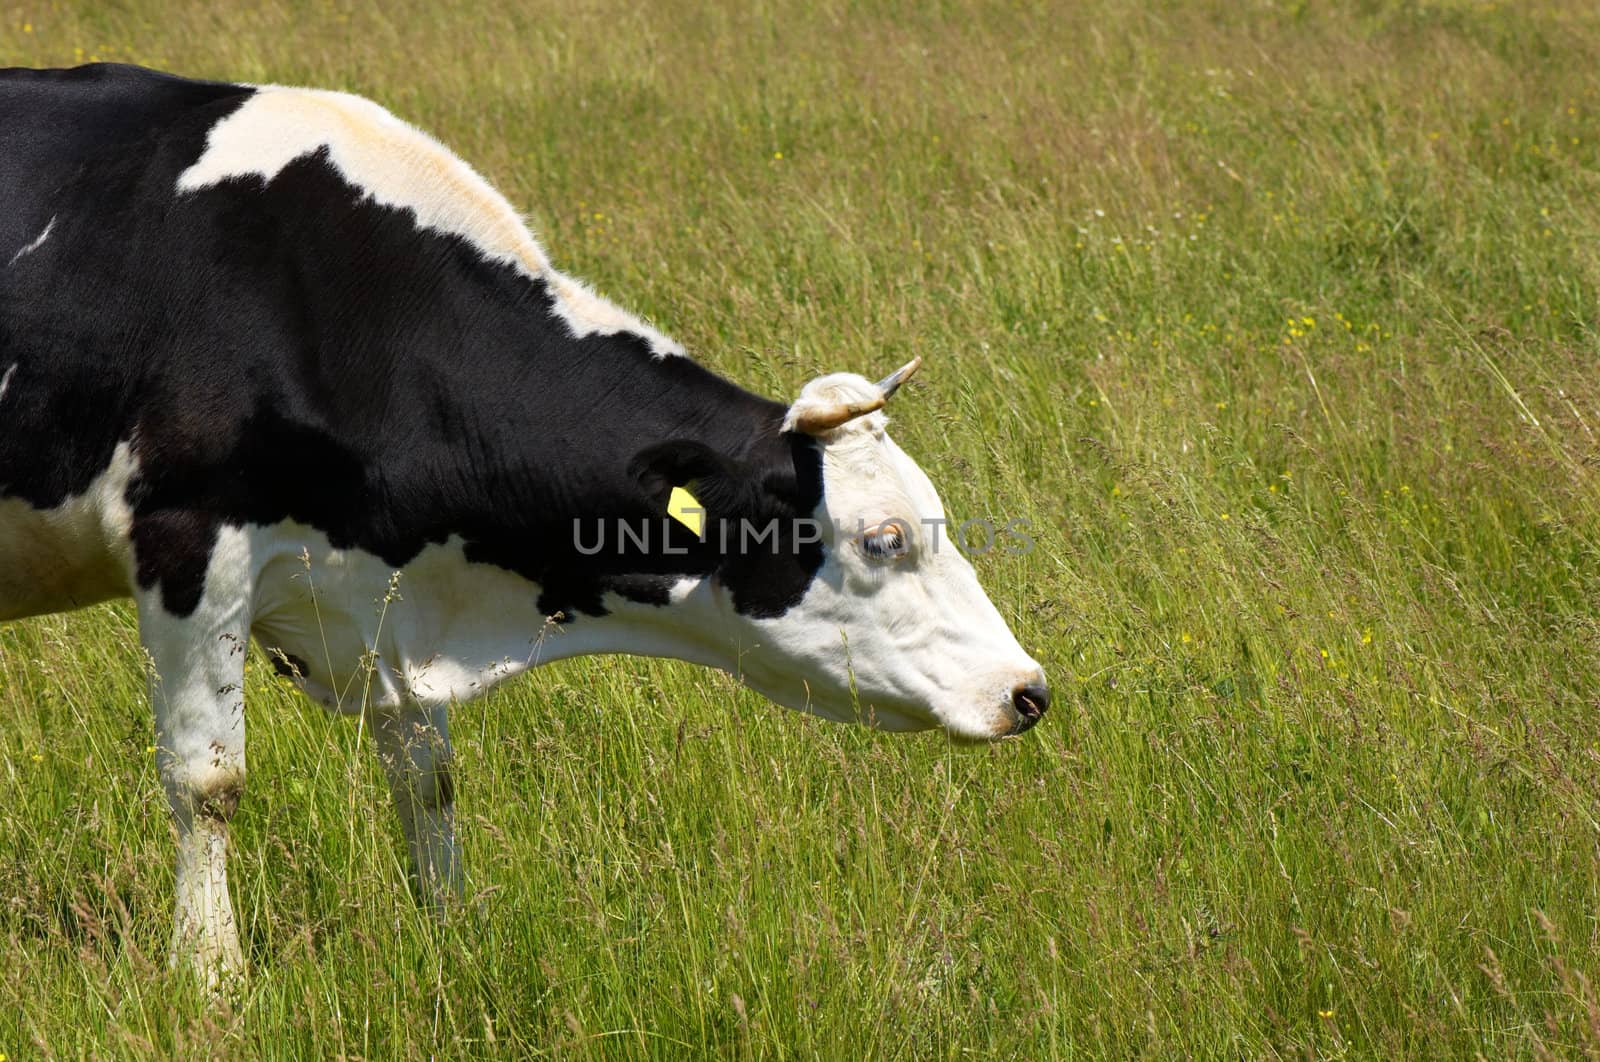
(267, 353)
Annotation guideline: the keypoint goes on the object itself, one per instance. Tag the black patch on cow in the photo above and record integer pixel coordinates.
(292, 350)
(55, 123)
(645, 589)
(289, 665)
(171, 548)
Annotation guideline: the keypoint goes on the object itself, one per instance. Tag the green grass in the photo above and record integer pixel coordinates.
(1319, 600)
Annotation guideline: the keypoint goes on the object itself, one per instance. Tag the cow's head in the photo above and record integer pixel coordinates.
(870, 612)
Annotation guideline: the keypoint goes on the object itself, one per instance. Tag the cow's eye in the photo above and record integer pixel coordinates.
(887, 541)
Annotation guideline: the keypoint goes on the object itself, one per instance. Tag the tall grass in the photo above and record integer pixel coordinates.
(1278, 320)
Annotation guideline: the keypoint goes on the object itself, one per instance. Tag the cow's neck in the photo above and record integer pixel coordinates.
(584, 434)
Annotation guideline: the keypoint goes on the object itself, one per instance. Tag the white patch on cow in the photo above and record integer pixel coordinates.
(36, 243)
(5, 381)
(449, 631)
(398, 166)
(73, 555)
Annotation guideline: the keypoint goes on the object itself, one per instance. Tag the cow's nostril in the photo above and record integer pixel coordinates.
(1031, 701)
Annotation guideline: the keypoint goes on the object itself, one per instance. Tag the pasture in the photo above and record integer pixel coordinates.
(1278, 322)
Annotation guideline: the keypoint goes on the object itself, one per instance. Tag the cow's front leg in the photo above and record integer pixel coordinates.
(196, 655)
(414, 745)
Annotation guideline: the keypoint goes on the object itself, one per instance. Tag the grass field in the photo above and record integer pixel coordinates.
(1278, 320)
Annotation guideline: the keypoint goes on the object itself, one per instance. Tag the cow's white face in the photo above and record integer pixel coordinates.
(894, 629)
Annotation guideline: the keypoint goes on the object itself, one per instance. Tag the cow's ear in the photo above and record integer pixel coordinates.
(684, 462)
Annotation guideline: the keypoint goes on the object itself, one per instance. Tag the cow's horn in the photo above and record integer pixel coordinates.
(891, 383)
(817, 421)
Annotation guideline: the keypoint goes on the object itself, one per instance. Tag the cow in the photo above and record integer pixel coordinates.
(275, 364)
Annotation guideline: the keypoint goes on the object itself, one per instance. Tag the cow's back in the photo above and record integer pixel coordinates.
(53, 123)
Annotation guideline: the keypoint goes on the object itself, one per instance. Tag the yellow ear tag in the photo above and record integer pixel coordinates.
(687, 510)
